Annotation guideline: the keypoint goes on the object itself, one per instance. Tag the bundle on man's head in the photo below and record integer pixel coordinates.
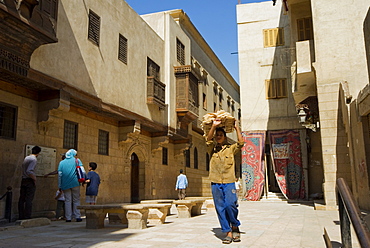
(227, 121)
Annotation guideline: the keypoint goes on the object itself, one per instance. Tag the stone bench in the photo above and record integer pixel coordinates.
(135, 215)
(168, 201)
(159, 201)
(157, 212)
(208, 201)
(188, 208)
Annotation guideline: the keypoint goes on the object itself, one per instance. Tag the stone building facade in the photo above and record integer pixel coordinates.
(323, 58)
(127, 92)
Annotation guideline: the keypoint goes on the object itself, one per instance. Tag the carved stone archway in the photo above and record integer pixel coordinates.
(138, 160)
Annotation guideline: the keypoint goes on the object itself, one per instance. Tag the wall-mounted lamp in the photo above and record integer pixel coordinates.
(302, 115)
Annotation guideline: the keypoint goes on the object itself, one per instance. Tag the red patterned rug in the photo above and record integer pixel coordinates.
(253, 168)
(286, 156)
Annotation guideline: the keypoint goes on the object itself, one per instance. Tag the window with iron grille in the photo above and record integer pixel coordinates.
(94, 28)
(70, 135)
(187, 158)
(276, 88)
(153, 69)
(304, 29)
(122, 50)
(180, 52)
(8, 121)
(273, 37)
(195, 158)
(103, 142)
(207, 161)
(164, 156)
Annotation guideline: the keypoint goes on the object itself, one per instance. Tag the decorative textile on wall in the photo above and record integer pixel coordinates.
(286, 157)
(253, 168)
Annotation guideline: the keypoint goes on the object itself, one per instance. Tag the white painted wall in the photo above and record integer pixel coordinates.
(339, 42)
(256, 64)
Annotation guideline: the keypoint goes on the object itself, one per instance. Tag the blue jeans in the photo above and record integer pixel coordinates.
(225, 200)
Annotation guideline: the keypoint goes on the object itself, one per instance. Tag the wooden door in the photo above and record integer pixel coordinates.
(135, 178)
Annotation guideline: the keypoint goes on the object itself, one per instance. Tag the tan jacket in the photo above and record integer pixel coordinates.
(222, 164)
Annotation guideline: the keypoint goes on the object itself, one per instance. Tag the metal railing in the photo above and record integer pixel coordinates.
(349, 213)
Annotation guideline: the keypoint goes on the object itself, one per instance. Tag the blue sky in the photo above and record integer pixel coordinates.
(214, 19)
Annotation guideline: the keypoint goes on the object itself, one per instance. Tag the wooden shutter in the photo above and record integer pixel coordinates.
(279, 37)
(94, 28)
(304, 29)
(276, 88)
(270, 89)
(122, 50)
(180, 52)
(152, 69)
(281, 88)
(273, 37)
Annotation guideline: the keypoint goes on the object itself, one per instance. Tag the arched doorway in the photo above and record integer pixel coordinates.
(135, 186)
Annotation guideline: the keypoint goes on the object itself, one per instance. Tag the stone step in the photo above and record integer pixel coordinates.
(271, 196)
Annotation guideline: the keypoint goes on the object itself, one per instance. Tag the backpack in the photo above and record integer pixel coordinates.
(80, 173)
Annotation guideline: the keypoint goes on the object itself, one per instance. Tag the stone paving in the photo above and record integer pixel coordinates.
(264, 224)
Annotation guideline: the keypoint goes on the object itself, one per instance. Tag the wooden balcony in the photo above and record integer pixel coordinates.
(26, 25)
(187, 96)
(156, 92)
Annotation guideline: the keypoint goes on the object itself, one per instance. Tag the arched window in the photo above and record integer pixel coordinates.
(195, 158)
(207, 161)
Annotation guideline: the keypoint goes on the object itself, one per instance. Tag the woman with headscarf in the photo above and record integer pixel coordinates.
(68, 183)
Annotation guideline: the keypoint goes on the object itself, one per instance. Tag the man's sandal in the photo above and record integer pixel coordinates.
(227, 240)
(236, 234)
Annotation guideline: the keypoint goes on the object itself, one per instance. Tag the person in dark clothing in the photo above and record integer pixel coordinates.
(93, 181)
(28, 184)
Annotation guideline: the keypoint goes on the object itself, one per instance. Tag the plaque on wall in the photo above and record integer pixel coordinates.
(45, 160)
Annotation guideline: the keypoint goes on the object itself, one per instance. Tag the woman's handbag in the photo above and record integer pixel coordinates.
(80, 173)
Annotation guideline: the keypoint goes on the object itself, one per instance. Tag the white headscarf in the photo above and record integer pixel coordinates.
(71, 153)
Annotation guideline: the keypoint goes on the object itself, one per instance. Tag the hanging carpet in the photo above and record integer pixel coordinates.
(253, 169)
(286, 157)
